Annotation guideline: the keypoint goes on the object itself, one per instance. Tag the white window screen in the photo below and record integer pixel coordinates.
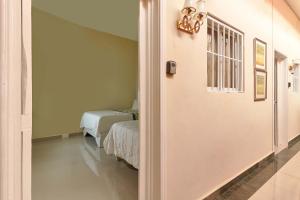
(296, 80)
(225, 57)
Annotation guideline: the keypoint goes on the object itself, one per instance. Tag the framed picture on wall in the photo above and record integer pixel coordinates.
(260, 54)
(260, 85)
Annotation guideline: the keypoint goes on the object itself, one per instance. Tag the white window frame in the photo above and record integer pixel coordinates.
(221, 54)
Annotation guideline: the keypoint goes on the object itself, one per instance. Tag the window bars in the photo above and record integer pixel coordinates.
(225, 57)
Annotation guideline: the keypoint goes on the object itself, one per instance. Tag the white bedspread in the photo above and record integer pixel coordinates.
(100, 121)
(123, 142)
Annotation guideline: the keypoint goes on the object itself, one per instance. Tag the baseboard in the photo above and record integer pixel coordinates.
(55, 137)
(294, 141)
(219, 191)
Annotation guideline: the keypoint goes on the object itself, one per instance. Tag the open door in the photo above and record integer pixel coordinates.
(26, 99)
(280, 102)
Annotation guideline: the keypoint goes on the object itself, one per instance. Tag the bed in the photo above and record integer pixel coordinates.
(98, 123)
(123, 142)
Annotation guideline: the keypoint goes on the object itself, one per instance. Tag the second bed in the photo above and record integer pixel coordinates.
(123, 142)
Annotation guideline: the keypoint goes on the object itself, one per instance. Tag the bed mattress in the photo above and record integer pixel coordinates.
(123, 142)
(97, 122)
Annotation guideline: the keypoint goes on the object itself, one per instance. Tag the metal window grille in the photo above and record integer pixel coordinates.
(225, 57)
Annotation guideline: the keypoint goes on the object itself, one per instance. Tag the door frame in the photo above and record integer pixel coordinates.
(16, 100)
(151, 87)
(279, 58)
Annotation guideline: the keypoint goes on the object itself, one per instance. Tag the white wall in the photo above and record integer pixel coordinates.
(111, 16)
(213, 137)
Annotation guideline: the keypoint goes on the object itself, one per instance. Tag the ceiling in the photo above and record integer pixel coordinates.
(295, 5)
(117, 17)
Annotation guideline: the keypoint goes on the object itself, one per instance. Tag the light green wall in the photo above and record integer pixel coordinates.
(118, 17)
(76, 69)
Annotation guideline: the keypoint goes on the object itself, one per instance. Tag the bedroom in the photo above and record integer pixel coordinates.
(85, 98)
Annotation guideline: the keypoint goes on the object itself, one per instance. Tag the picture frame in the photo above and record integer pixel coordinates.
(260, 54)
(260, 85)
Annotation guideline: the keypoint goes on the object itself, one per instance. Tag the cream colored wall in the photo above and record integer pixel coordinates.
(213, 137)
(76, 69)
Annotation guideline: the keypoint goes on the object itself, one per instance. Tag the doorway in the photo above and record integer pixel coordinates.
(280, 102)
(85, 100)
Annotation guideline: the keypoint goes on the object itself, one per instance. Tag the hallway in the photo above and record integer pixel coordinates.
(285, 184)
(277, 178)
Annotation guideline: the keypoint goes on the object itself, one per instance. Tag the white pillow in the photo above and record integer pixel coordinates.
(135, 105)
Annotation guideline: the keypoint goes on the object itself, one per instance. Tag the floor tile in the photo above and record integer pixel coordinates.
(74, 169)
(284, 185)
(264, 181)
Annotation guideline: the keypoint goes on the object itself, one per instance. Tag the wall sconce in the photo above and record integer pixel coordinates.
(292, 67)
(193, 17)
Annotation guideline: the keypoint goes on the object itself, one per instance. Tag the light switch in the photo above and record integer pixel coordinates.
(171, 67)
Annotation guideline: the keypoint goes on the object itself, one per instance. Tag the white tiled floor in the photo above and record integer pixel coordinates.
(74, 169)
(284, 185)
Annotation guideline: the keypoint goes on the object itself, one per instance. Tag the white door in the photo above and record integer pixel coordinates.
(280, 103)
(16, 100)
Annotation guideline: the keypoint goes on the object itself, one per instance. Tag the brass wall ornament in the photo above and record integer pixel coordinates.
(294, 65)
(192, 19)
(292, 69)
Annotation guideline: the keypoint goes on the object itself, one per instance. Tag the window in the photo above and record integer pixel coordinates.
(296, 82)
(225, 57)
